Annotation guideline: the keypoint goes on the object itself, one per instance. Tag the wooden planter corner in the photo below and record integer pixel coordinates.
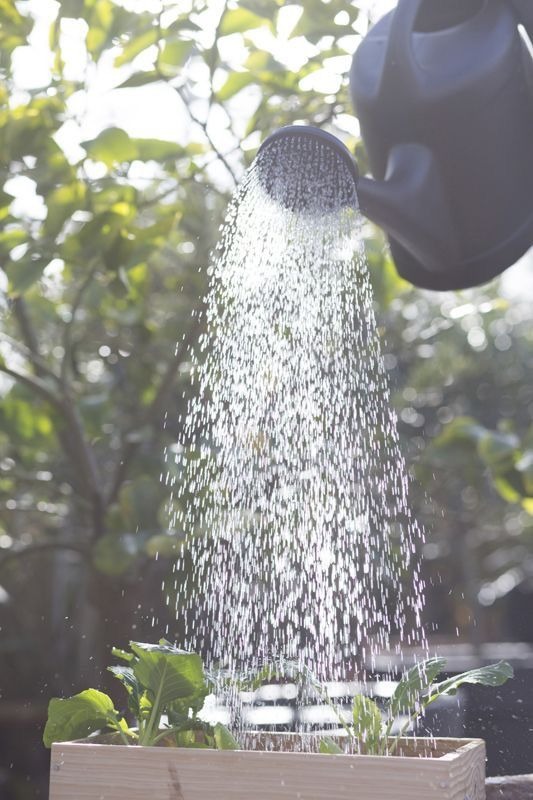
(451, 769)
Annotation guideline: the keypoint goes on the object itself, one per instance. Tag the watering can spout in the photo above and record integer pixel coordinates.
(411, 206)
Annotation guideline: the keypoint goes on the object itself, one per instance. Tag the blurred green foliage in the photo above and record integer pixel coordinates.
(103, 246)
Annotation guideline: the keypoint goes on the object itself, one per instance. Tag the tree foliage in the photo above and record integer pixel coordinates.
(104, 240)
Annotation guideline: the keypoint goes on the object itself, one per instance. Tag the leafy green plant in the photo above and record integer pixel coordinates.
(166, 689)
(371, 731)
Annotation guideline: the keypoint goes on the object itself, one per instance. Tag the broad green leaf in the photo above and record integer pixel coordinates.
(367, 723)
(78, 716)
(492, 675)
(224, 739)
(111, 146)
(127, 677)
(329, 746)
(234, 83)
(239, 20)
(413, 685)
(138, 701)
(123, 654)
(167, 673)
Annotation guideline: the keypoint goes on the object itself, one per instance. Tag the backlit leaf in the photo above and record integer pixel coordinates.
(78, 716)
(239, 20)
(111, 146)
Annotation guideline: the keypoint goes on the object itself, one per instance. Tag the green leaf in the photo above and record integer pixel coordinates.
(61, 203)
(507, 488)
(123, 654)
(138, 702)
(111, 146)
(461, 429)
(239, 20)
(140, 79)
(24, 273)
(174, 55)
(136, 45)
(164, 545)
(234, 83)
(157, 149)
(413, 684)
(492, 675)
(498, 450)
(329, 746)
(525, 466)
(367, 723)
(224, 739)
(11, 238)
(127, 677)
(167, 673)
(78, 716)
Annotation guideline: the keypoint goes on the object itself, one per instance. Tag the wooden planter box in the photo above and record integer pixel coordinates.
(447, 769)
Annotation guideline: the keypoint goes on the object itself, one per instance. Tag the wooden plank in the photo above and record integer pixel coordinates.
(113, 772)
(515, 787)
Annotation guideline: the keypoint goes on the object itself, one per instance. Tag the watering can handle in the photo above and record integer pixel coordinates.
(400, 46)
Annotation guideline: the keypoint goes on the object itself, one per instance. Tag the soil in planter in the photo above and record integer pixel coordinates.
(289, 465)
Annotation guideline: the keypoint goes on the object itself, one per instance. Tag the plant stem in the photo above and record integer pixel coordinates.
(155, 715)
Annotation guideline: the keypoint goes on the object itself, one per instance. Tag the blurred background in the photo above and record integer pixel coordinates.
(125, 125)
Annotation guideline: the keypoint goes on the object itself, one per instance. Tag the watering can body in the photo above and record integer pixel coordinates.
(444, 94)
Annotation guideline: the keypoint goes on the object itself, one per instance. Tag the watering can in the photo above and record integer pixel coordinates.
(444, 94)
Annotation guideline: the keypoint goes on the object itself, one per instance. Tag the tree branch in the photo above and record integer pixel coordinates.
(72, 439)
(26, 328)
(203, 125)
(33, 358)
(67, 333)
(150, 415)
(37, 385)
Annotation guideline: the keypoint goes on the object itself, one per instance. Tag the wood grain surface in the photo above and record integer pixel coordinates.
(88, 771)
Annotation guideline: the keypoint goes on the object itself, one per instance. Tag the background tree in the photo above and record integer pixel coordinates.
(103, 245)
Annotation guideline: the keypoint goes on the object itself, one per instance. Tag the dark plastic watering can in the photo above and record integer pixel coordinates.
(444, 94)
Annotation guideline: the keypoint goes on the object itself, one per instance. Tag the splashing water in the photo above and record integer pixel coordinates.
(291, 467)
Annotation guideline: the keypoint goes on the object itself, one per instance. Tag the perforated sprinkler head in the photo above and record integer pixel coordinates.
(306, 169)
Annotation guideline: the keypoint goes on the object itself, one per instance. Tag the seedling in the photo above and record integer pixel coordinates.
(371, 731)
(166, 689)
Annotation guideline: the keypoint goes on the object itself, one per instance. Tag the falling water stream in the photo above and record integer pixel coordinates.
(291, 484)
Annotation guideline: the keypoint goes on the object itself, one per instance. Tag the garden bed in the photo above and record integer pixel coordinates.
(445, 769)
